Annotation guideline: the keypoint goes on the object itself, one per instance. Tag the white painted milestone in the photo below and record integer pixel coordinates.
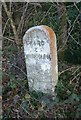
(41, 59)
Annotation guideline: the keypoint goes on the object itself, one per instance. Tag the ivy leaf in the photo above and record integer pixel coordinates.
(74, 97)
(27, 96)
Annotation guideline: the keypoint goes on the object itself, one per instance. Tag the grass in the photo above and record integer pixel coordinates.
(18, 101)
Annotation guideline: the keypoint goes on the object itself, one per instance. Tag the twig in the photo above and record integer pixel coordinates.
(5, 26)
(61, 49)
(75, 40)
(46, 14)
(9, 14)
(76, 70)
(26, 91)
(19, 69)
(7, 38)
(75, 77)
(76, 7)
(22, 18)
(24, 109)
(67, 70)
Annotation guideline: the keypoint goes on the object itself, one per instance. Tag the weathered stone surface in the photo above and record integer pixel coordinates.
(41, 58)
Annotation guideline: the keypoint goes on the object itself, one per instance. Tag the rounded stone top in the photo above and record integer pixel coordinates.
(48, 31)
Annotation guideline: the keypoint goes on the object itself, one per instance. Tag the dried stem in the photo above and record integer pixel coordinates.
(12, 22)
